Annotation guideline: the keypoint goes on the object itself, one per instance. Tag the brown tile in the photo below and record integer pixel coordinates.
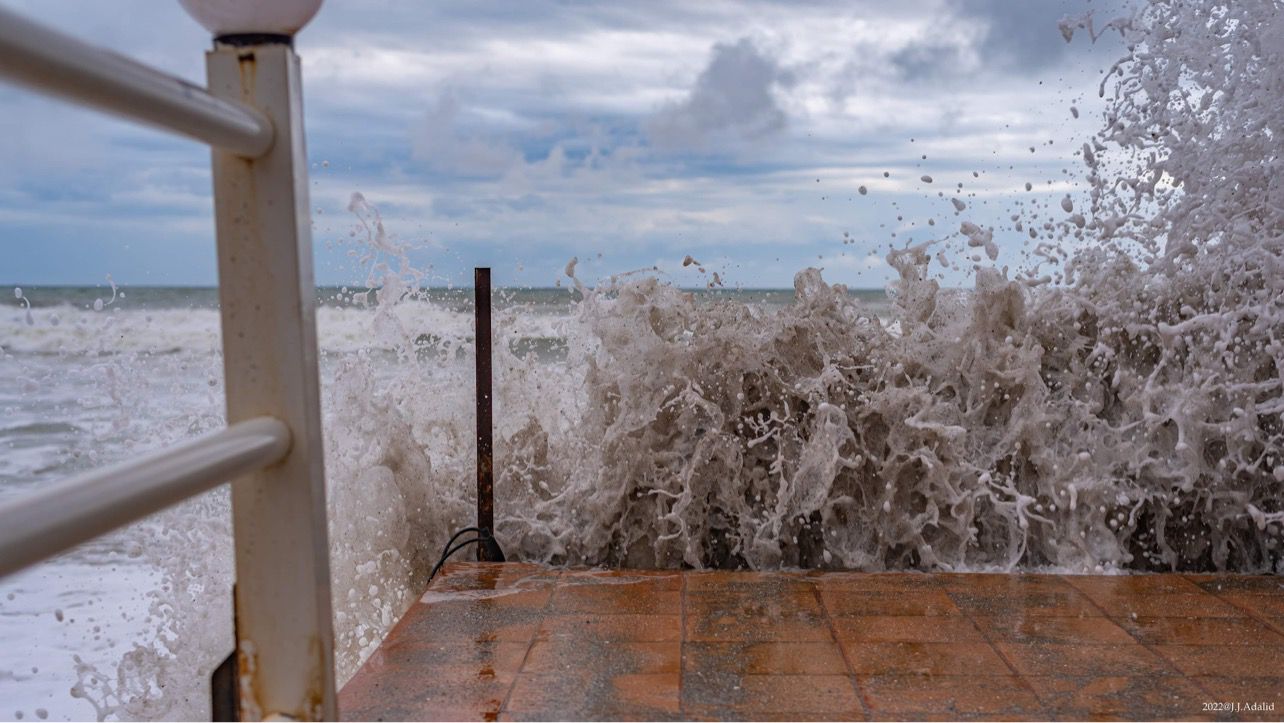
(1053, 602)
(1247, 698)
(1081, 631)
(724, 713)
(1121, 697)
(503, 599)
(620, 658)
(924, 659)
(1083, 660)
(1203, 605)
(907, 629)
(754, 603)
(400, 651)
(641, 628)
(897, 695)
(595, 696)
(1264, 606)
(721, 625)
(916, 602)
(649, 580)
(769, 658)
(1219, 660)
(437, 623)
(749, 696)
(415, 694)
(477, 576)
(874, 581)
(1251, 584)
(1201, 631)
(1001, 584)
(1107, 585)
(715, 581)
(616, 600)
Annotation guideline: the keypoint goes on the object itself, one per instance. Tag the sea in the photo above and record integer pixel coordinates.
(91, 375)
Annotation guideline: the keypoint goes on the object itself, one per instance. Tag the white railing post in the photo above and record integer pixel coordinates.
(285, 646)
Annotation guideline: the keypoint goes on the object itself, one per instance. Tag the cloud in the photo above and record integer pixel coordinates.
(449, 142)
(734, 100)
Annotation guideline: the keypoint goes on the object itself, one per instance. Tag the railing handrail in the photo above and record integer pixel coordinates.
(62, 515)
(57, 63)
(252, 116)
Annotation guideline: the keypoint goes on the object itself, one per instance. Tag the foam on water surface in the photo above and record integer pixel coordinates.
(1112, 406)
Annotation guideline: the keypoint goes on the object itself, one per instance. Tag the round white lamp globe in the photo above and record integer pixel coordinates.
(233, 17)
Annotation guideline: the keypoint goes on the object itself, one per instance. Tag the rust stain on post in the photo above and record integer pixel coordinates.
(485, 441)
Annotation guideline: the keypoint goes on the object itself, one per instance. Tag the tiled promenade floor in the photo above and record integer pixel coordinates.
(517, 642)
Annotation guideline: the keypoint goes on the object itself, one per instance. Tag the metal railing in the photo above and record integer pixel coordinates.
(251, 116)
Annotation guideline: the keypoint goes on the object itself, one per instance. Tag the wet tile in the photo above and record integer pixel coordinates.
(729, 626)
(641, 628)
(594, 696)
(916, 602)
(1220, 660)
(482, 577)
(760, 646)
(907, 628)
(1270, 607)
(1252, 584)
(1083, 660)
(427, 624)
(754, 603)
(649, 580)
(421, 694)
(482, 602)
(616, 600)
(1121, 697)
(499, 656)
(924, 659)
(770, 658)
(874, 581)
(897, 695)
(1001, 584)
(1055, 602)
(762, 583)
(1122, 604)
(1106, 585)
(1050, 629)
(1201, 631)
(750, 695)
(616, 657)
(1247, 698)
(724, 713)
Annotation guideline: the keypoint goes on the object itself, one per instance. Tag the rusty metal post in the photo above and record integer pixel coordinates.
(485, 439)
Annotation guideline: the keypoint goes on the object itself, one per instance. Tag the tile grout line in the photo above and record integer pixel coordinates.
(1248, 612)
(842, 652)
(1043, 707)
(682, 645)
(503, 707)
(1140, 642)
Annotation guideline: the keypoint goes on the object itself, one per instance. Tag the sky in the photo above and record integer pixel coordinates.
(522, 134)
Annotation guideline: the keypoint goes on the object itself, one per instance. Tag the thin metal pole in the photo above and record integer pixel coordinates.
(69, 512)
(267, 298)
(485, 440)
(58, 64)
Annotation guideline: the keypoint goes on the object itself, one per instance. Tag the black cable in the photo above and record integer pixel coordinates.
(446, 555)
(483, 537)
(455, 536)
